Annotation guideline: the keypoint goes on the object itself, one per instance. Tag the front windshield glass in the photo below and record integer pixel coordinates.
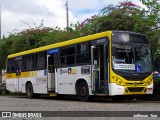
(131, 58)
(143, 58)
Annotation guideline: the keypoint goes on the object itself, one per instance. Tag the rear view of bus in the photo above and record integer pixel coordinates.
(130, 68)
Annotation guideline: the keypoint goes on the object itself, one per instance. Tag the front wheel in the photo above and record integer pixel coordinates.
(83, 92)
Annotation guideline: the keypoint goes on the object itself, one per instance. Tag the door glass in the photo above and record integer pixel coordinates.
(95, 58)
(50, 64)
(95, 69)
(99, 69)
(51, 78)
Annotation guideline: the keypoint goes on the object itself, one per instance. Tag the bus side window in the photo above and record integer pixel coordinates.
(63, 53)
(71, 55)
(23, 64)
(10, 67)
(63, 61)
(29, 64)
(41, 60)
(83, 53)
(67, 55)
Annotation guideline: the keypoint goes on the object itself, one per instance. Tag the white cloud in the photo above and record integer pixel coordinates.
(18, 13)
(53, 6)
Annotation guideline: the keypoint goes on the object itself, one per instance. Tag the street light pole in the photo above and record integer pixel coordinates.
(67, 14)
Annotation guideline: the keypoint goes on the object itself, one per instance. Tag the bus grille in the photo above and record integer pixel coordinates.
(133, 89)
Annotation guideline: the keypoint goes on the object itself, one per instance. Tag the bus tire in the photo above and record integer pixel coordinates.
(83, 92)
(29, 91)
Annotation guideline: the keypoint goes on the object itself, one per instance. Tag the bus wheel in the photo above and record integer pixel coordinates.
(83, 92)
(29, 91)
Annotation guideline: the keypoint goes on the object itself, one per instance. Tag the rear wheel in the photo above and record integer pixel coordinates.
(29, 91)
(83, 92)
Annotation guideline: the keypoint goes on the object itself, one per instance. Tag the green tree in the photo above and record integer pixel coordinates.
(153, 22)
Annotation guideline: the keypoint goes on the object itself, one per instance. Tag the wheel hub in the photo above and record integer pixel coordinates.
(83, 91)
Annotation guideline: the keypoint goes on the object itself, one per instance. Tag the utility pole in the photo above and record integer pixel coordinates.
(67, 14)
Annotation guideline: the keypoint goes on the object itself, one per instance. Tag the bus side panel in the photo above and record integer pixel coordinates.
(23, 86)
(67, 78)
(39, 81)
(11, 85)
(11, 82)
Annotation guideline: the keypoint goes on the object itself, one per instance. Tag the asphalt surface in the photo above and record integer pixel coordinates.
(52, 106)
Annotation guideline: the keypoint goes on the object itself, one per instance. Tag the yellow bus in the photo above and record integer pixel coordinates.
(110, 63)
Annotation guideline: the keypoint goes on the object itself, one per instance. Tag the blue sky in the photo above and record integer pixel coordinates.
(84, 11)
(19, 15)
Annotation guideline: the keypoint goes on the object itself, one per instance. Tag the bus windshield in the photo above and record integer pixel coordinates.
(131, 58)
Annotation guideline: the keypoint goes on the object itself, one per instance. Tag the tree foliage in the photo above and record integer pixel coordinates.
(125, 16)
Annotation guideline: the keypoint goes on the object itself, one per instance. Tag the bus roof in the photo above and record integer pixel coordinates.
(65, 43)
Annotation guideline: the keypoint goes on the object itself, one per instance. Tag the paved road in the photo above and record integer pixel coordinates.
(21, 103)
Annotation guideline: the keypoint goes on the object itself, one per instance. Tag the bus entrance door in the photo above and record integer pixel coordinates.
(50, 74)
(18, 65)
(99, 68)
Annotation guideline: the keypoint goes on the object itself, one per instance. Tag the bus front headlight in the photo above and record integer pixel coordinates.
(118, 81)
(149, 81)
